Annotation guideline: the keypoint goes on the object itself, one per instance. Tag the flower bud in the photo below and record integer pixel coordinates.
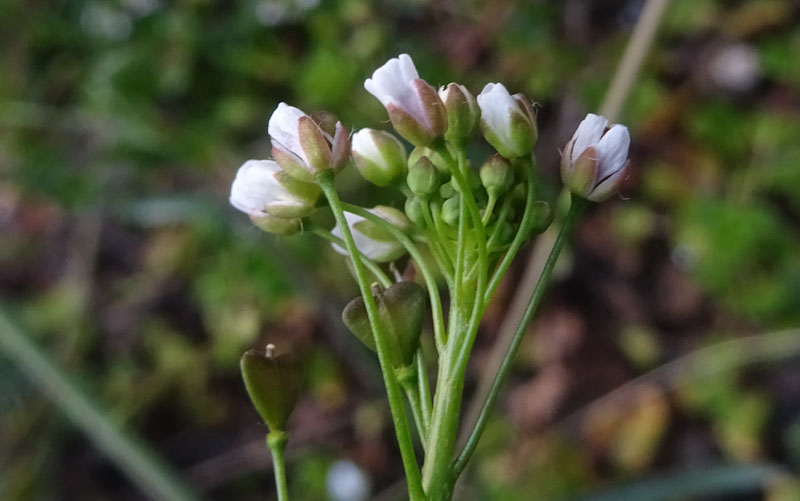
(276, 225)
(424, 151)
(447, 190)
(496, 176)
(273, 384)
(302, 148)
(423, 178)
(463, 113)
(371, 239)
(415, 211)
(595, 160)
(508, 122)
(413, 105)
(541, 217)
(450, 210)
(262, 188)
(378, 156)
(402, 310)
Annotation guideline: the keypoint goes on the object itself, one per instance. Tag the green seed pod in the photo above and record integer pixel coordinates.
(423, 178)
(402, 311)
(496, 176)
(415, 211)
(273, 384)
(450, 211)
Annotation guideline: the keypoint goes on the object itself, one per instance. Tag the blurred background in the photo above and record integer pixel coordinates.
(122, 124)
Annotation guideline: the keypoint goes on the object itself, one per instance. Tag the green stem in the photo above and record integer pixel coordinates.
(407, 376)
(440, 254)
(444, 422)
(487, 213)
(424, 387)
(505, 367)
(276, 441)
(371, 265)
(134, 458)
(519, 238)
(430, 280)
(325, 180)
(501, 217)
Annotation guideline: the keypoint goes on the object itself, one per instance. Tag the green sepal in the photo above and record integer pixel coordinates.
(450, 211)
(415, 211)
(423, 178)
(314, 144)
(276, 225)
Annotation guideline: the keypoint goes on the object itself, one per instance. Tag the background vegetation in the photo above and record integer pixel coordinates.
(122, 124)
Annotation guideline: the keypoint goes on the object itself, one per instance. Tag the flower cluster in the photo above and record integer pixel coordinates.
(277, 194)
(472, 218)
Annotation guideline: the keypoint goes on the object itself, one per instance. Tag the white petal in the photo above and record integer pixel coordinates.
(496, 106)
(255, 186)
(443, 92)
(363, 143)
(608, 186)
(407, 68)
(588, 134)
(283, 129)
(372, 249)
(392, 83)
(612, 151)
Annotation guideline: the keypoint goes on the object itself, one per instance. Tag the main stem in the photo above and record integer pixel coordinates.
(325, 181)
(276, 441)
(576, 206)
(467, 301)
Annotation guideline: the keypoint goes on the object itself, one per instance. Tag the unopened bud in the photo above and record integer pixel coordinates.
(508, 122)
(496, 176)
(423, 178)
(379, 156)
(595, 160)
(424, 151)
(447, 190)
(463, 113)
(415, 211)
(450, 211)
(541, 217)
(413, 105)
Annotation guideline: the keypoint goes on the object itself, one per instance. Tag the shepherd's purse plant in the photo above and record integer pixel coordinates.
(461, 226)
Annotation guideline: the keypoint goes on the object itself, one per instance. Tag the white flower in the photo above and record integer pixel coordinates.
(372, 240)
(413, 105)
(595, 160)
(508, 122)
(261, 187)
(300, 145)
(378, 155)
